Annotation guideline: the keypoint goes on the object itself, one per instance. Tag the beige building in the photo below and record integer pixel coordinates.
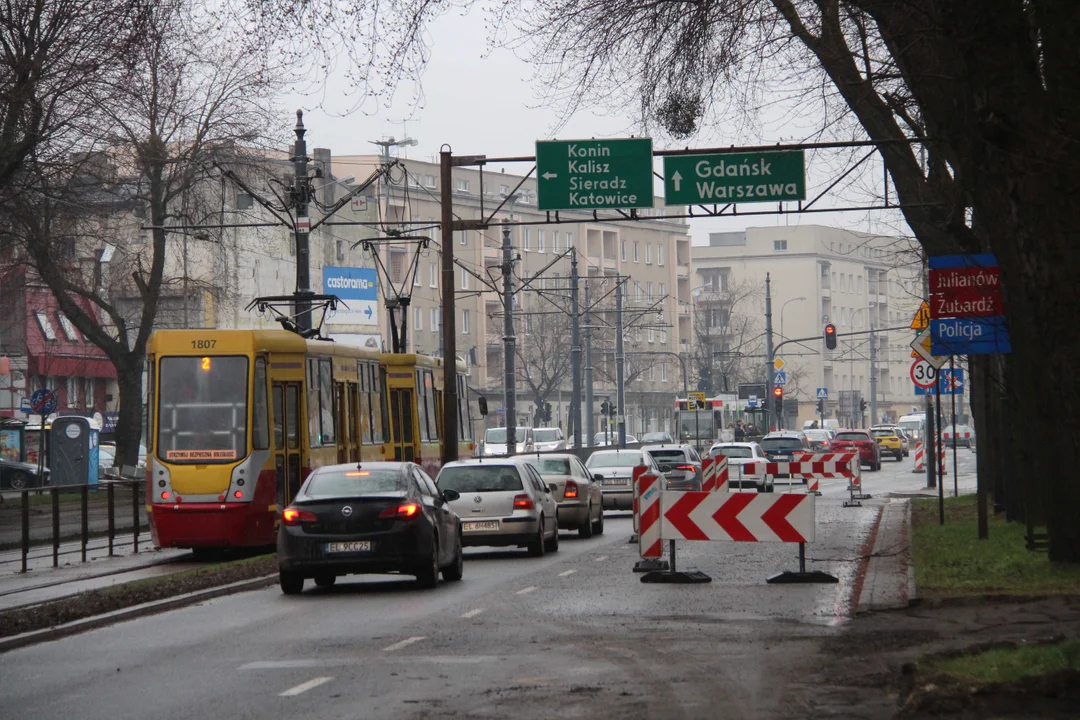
(818, 275)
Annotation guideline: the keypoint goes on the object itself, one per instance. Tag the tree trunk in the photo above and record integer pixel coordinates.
(129, 425)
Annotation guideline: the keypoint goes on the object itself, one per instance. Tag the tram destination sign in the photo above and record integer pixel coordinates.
(771, 176)
(594, 174)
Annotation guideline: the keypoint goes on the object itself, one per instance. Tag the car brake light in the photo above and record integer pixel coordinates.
(293, 516)
(401, 512)
(570, 491)
(691, 468)
(523, 502)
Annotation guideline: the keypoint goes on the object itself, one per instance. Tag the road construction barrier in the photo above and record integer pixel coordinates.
(636, 473)
(714, 474)
(736, 517)
(649, 509)
(812, 467)
(920, 458)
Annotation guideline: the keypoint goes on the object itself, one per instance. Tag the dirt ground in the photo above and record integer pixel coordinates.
(872, 669)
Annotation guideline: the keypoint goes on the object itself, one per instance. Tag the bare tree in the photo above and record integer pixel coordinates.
(190, 98)
(727, 332)
(543, 352)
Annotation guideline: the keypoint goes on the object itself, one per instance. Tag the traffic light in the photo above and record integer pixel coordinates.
(611, 409)
(830, 336)
(604, 408)
(778, 397)
(821, 407)
(547, 412)
(862, 406)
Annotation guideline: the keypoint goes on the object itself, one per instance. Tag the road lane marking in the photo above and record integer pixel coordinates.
(525, 591)
(304, 687)
(473, 613)
(567, 572)
(281, 664)
(404, 643)
(600, 559)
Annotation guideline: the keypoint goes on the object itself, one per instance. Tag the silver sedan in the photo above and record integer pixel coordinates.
(581, 501)
(615, 468)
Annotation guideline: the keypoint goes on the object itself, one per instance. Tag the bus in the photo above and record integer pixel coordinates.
(238, 418)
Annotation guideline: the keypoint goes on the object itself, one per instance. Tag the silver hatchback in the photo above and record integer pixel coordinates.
(503, 503)
(680, 464)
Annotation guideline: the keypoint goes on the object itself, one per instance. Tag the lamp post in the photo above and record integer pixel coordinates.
(782, 308)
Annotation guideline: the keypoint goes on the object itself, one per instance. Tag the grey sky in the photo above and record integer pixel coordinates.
(484, 103)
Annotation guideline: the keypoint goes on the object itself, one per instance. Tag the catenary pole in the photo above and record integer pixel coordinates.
(449, 310)
(590, 424)
(575, 351)
(770, 401)
(620, 394)
(301, 227)
(509, 342)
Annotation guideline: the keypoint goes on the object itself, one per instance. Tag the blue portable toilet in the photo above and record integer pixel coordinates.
(73, 451)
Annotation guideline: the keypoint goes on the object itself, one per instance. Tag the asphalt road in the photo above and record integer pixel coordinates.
(570, 635)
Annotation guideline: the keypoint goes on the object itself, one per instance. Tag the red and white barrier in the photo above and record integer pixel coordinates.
(736, 517)
(649, 496)
(920, 458)
(636, 473)
(714, 474)
(814, 467)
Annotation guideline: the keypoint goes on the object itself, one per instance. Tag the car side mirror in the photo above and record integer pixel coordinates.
(552, 487)
(450, 495)
(598, 477)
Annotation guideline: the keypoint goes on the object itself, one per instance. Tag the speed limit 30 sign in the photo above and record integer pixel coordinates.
(923, 374)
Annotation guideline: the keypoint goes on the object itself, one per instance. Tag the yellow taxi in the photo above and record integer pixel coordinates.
(890, 440)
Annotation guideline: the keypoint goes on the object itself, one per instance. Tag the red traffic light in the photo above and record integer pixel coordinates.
(830, 336)
(778, 392)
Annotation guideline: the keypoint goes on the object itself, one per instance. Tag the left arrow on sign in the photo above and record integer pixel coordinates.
(727, 517)
(549, 175)
(776, 517)
(679, 515)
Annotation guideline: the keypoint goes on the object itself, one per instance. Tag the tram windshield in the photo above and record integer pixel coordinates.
(202, 409)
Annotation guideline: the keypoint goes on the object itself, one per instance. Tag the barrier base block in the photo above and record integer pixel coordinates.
(633, 540)
(651, 565)
(679, 577)
(793, 577)
(852, 503)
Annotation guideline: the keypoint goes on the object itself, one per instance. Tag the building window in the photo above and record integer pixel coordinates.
(435, 319)
(569, 240)
(416, 277)
(429, 181)
(660, 255)
(637, 292)
(622, 250)
(69, 329)
(433, 275)
(663, 336)
(46, 324)
(648, 254)
(464, 322)
(652, 370)
(636, 255)
(418, 319)
(504, 189)
(648, 289)
(554, 241)
(539, 241)
(652, 337)
(663, 370)
(88, 393)
(779, 245)
(526, 240)
(663, 289)
(464, 279)
(461, 185)
(463, 237)
(72, 391)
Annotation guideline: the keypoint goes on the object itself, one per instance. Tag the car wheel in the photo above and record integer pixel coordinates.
(907, 453)
(585, 530)
(598, 526)
(552, 545)
(292, 583)
(19, 480)
(899, 457)
(537, 547)
(455, 571)
(325, 581)
(427, 577)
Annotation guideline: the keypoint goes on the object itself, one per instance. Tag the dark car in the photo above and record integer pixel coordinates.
(784, 446)
(377, 517)
(680, 464)
(15, 475)
(862, 442)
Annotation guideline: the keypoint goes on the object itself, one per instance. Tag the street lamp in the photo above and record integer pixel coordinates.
(782, 307)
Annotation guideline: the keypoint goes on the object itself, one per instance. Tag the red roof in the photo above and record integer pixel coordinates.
(54, 346)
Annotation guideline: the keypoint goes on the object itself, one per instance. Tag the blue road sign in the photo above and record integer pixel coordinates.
(823, 393)
(358, 287)
(43, 402)
(752, 401)
(969, 336)
(24, 405)
(780, 378)
(949, 382)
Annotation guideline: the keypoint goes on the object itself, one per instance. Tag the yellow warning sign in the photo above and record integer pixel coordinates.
(698, 400)
(921, 321)
(915, 354)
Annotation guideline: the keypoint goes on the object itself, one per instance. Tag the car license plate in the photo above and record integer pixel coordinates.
(348, 547)
(616, 481)
(481, 525)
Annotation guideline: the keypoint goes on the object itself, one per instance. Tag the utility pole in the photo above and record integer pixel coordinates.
(873, 369)
(301, 227)
(449, 445)
(575, 351)
(620, 390)
(930, 443)
(509, 341)
(769, 403)
(590, 426)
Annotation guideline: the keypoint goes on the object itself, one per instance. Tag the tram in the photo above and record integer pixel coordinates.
(238, 418)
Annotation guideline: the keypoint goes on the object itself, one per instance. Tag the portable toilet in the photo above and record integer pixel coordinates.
(73, 451)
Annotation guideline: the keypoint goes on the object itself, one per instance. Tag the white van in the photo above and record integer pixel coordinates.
(914, 425)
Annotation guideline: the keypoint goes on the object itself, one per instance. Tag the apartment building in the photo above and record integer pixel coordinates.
(817, 274)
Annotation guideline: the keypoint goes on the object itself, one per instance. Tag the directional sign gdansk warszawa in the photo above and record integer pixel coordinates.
(772, 176)
(594, 174)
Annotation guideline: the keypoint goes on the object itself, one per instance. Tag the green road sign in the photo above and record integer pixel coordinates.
(594, 174)
(734, 178)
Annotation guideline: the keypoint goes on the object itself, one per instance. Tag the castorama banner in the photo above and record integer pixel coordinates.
(359, 289)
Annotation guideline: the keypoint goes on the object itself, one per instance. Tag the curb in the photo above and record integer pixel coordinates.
(889, 577)
(151, 608)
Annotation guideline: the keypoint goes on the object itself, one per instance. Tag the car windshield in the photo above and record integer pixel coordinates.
(202, 409)
(479, 478)
(495, 435)
(606, 460)
(355, 481)
(781, 443)
(668, 455)
(851, 436)
(656, 437)
(817, 434)
(546, 435)
(911, 426)
(551, 466)
(733, 451)
(883, 432)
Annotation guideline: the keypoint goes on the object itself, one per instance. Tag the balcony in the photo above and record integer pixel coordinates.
(712, 296)
(682, 271)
